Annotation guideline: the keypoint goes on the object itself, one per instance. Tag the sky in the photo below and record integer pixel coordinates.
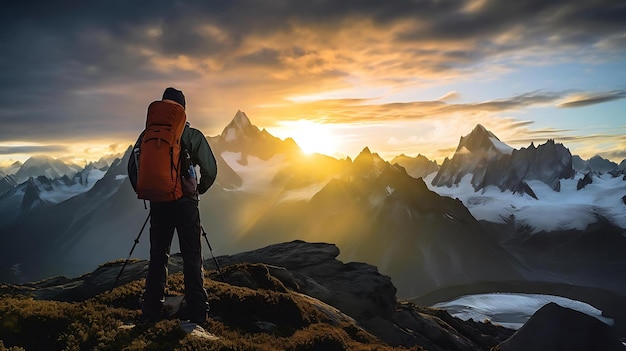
(400, 77)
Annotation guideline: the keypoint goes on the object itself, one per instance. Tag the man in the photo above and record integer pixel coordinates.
(181, 214)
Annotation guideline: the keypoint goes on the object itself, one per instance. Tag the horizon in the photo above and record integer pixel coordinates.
(305, 153)
(398, 77)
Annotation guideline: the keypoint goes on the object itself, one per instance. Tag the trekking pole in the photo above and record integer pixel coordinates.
(211, 250)
(131, 251)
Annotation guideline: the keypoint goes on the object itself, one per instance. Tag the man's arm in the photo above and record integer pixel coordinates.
(131, 168)
(202, 155)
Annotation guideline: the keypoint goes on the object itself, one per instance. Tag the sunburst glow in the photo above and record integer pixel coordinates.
(310, 136)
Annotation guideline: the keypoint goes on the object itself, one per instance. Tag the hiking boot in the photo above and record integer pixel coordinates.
(195, 315)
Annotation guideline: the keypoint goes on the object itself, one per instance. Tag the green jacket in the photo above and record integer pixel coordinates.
(201, 155)
(199, 150)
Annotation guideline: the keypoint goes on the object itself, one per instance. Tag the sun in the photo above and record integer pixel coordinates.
(311, 137)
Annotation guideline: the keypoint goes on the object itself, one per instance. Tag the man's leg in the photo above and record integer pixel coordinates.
(161, 233)
(188, 228)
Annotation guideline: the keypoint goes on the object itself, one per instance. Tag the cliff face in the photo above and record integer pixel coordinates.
(548, 163)
(491, 162)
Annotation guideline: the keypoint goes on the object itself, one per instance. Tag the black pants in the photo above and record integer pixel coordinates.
(183, 216)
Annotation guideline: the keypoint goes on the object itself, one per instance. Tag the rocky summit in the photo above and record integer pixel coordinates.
(289, 296)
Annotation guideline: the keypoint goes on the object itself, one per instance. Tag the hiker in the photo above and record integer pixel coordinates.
(178, 207)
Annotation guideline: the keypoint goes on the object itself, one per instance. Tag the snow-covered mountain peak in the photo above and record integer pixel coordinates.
(37, 160)
(44, 165)
(241, 119)
(482, 140)
(239, 127)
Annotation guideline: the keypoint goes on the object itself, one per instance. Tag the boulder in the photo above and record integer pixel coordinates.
(554, 327)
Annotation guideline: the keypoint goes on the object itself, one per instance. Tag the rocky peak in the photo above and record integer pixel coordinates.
(368, 164)
(482, 141)
(241, 136)
(554, 327)
(241, 120)
(239, 127)
(491, 162)
(473, 153)
(32, 197)
(7, 182)
(599, 164)
(44, 165)
(417, 167)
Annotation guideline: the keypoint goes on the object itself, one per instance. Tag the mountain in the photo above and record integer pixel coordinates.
(58, 228)
(376, 213)
(570, 225)
(417, 167)
(491, 162)
(240, 135)
(544, 173)
(600, 164)
(7, 182)
(423, 236)
(575, 331)
(10, 170)
(93, 226)
(20, 199)
(471, 155)
(44, 165)
(580, 165)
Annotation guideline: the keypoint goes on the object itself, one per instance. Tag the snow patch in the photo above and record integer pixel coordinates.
(564, 210)
(257, 174)
(390, 190)
(500, 146)
(231, 134)
(302, 194)
(511, 310)
(62, 193)
(196, 331)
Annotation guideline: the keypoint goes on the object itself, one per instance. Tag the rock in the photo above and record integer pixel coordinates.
(492, 162)
(196, 331)
(357, 289)
(554, 327)
(584, 181)
(417, 167)
(284, 287)
(624, 199)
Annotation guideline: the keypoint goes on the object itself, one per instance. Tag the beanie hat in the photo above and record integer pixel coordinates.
(174, 95)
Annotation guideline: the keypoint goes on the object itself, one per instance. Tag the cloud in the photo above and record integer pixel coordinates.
(587, 99)
(31, 149)
(368, 110)
(84, 72)
(453, 95)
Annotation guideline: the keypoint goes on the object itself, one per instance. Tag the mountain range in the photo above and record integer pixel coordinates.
(489, 213)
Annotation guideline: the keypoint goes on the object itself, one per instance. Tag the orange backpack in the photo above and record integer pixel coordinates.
(158, 175)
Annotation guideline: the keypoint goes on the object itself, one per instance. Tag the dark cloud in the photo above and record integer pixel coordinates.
(38, 149)
(53, 50)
